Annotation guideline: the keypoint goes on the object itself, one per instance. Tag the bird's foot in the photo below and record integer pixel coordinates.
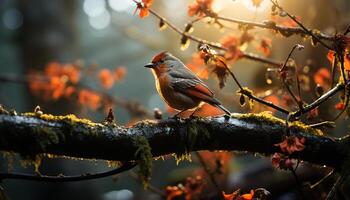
(194, 117)
(175, 117)
(227, 117)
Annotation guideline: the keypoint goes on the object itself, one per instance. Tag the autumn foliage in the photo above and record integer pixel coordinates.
(64, 81)
(284, 87)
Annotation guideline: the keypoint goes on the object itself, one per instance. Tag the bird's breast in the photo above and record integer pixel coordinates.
(173, 97)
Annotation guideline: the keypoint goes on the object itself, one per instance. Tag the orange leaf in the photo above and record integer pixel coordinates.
(330, 56)
(347, 62)
(340, 106)
(89, 98)
(143, 12)
(143, 8)
(322, 76)
(231, 196)
(106, 78)
(69, 91)
(119, 73)
(265, 46)
(292, 144)
(232, 44)
(248, 196)
(199, 8)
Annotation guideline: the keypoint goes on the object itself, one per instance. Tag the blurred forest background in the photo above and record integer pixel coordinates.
(105, 34)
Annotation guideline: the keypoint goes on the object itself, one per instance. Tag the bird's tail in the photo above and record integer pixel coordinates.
(223, 109)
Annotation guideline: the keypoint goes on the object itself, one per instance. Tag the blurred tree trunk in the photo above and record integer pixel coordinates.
(48, 34)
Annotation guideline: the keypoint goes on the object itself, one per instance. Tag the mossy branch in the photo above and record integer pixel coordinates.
(32, 134)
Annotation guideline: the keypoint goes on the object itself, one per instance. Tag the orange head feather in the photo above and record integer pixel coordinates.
(159, 57)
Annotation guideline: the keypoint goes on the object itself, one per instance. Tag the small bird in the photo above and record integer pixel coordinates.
(178, 86)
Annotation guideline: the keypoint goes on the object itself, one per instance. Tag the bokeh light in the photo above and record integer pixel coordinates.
(94, 8)
(12, 18)
(263, 6)
(122, 6)
(100, 21)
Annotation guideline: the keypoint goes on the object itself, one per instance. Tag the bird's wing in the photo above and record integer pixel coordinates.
(190, 84)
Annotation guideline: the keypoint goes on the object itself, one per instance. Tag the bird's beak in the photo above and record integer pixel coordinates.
(150, 65)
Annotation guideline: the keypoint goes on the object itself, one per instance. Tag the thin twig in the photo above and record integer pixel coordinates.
(342, 67)
(252, 96)
(334, 67)
(234, 77)
(275, 27)
(297, 101)
(59, 179)
(339, 87)
(330, 124)
(307, 31)
(323, 179)
(217, 46)
(288, 57)
(347, 30)
(335, 187)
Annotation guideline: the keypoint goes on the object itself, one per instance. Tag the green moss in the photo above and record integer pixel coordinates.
(32, 161)
(196, 132)
(263, 117)
(70, 119)
(268, 118)
(144, 158)
(10, 158)
(113, 164)
(305, 128)
(246, 91)
(181, 157)
(46, 136)
(52, 156)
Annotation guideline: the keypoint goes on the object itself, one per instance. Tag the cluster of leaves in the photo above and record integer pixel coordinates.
(237, 196)
(192, 188)
(257, 194)
(59, 81)
(214, 166)
(143, 8)
(200, 8)
(288, 146)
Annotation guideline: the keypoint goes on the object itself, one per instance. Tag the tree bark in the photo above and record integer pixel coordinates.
(31, 134)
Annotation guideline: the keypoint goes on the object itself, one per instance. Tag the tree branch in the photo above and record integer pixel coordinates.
(272, 26)
(214, 45)
(61, 178)
(32, 134)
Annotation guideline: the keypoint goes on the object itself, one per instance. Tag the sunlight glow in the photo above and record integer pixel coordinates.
(218, 5)
(250, 6)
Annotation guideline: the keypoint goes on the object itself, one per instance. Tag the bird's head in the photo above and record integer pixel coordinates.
(163, 62)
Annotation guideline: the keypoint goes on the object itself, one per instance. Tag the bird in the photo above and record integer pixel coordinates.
(178, 86)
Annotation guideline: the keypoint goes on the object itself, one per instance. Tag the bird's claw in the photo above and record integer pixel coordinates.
(175, 117)
(227, 117)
